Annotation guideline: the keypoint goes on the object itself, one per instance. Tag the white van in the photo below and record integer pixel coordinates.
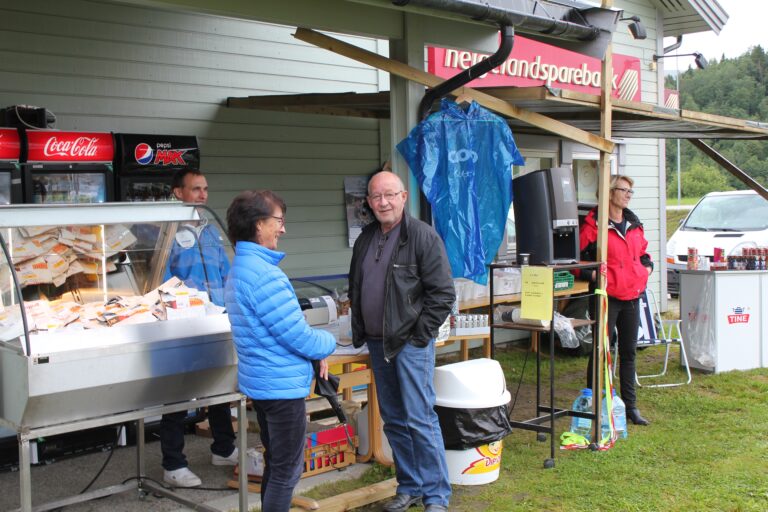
(731, 220)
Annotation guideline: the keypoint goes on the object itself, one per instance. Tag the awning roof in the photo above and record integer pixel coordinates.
(630, 119)
(691, 16)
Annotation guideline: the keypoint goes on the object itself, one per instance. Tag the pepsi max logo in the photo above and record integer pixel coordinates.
(143, 153)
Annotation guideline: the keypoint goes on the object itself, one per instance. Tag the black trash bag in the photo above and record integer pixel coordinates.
(469, 428)
(329, 389)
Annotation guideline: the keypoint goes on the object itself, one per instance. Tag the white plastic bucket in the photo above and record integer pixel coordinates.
(475, 466)
(474, 384)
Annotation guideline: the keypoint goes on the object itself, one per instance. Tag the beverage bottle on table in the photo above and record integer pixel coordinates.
(583, 403)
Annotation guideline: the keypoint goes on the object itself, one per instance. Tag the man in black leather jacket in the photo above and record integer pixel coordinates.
(401, 291)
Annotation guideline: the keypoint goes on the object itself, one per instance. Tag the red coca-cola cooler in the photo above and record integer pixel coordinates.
(10, 170)
(68, 167)
(145, 164)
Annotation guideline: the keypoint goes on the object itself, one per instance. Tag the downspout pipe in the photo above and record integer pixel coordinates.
(673, 46)
(482, 11)
(469, 74)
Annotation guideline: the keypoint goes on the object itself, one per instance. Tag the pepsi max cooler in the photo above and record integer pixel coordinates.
(145, 164)
(68, 167)
(10, 171)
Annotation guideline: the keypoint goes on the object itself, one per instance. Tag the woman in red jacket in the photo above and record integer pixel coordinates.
(629, 266)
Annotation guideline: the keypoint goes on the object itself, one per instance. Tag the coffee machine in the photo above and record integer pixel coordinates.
(546, 216)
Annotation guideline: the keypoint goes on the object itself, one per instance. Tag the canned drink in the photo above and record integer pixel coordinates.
(693, 258)
(719, 254)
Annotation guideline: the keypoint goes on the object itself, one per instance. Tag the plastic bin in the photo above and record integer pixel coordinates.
(471, 404)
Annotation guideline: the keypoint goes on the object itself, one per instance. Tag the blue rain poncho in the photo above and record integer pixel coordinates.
(463, 163)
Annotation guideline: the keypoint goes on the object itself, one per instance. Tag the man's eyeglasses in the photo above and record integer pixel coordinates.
(380, 248)
(281, 220)
(389, 196)
(625, 190)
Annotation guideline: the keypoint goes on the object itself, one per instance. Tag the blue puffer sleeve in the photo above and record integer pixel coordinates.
(276, 304)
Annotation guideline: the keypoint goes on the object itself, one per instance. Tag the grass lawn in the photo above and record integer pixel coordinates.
(684, 201)
(673, 220)
(706, 449)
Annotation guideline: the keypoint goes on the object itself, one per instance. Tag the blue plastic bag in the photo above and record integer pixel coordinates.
(463, 163)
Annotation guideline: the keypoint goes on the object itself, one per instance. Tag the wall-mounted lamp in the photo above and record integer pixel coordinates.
(699, 59)
(636, 27)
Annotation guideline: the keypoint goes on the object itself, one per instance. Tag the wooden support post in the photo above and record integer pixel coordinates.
(606, 118)
(416, 75)
(730, 167)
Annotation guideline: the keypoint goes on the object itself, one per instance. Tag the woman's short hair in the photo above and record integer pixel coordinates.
(617, 177)
(246, 209)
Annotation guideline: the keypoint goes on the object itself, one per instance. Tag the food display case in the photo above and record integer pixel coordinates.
(106, 334)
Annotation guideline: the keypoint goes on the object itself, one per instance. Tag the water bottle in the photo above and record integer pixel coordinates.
(583, 403)
(619, 417)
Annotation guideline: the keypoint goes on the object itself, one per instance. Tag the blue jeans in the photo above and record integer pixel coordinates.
(283, 425)
(406, 400)
(172, 435)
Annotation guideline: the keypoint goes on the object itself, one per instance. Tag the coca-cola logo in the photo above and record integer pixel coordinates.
(83, 147)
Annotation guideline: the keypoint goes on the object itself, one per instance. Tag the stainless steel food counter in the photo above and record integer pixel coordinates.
(69, 362)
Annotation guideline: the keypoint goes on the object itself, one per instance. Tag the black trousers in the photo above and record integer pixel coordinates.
(283, 425)
(624, 316)
(172, 435)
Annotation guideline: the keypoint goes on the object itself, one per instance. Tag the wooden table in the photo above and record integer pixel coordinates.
(484, 302)
(579, 287)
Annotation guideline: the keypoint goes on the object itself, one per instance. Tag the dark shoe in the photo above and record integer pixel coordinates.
(401, 503)
(434, 507)
(633, 415)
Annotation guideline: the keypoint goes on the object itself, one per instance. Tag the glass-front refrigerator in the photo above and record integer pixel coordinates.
(68, 167)
(145, 164)
(10, 171)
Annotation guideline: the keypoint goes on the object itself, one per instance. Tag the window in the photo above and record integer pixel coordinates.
(585, 167)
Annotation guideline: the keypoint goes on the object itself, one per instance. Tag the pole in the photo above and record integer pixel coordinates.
(680, 107)
(604, 177)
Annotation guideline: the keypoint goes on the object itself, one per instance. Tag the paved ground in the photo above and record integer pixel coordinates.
(69, 476)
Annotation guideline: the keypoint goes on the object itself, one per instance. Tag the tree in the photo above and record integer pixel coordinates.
(728, 87)
(702, 179)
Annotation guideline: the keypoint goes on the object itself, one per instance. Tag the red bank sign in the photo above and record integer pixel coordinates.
(532, 64)
(53, 146)
(10, 147)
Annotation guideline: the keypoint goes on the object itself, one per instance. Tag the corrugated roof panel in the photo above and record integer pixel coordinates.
(691, 16)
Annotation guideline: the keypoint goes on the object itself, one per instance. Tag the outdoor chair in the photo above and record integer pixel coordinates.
(656, 331)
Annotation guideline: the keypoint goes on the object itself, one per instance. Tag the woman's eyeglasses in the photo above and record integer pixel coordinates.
(281, 220)
(625, 190)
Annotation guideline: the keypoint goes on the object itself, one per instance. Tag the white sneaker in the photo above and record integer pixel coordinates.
(181, 477)
(218, 460)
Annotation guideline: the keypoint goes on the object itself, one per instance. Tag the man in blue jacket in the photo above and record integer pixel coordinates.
(401, 291)
(198, 258)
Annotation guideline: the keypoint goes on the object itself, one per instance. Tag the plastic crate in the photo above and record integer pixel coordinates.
(563, 280)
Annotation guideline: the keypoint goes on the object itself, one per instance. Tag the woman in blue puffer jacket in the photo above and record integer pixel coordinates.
(275, 345)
